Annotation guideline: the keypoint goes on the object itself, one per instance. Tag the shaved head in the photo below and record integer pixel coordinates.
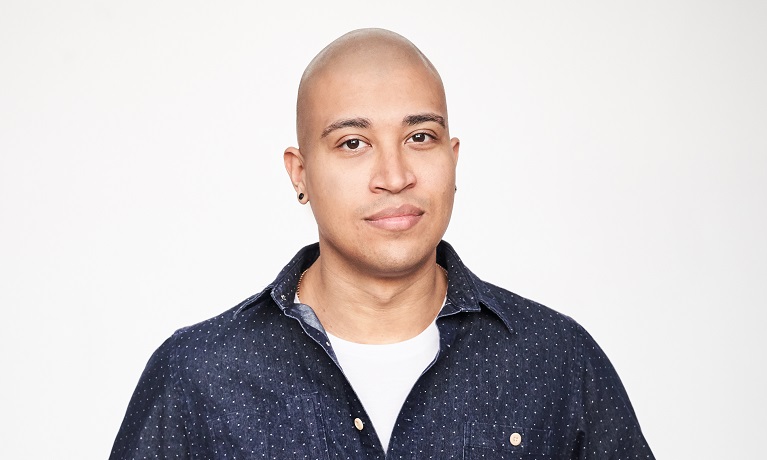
(377, 50)
(375, 160)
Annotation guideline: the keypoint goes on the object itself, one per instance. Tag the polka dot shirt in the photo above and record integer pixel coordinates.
(512, 380)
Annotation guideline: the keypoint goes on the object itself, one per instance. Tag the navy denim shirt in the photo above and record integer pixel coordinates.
(512, 380)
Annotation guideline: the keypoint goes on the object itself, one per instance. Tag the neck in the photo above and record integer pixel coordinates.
(361, 307)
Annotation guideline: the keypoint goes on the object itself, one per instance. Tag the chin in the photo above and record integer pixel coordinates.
(399, 257)
(384, 253)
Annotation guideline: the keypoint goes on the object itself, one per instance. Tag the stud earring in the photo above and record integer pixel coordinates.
(456, 188)
(300, 196)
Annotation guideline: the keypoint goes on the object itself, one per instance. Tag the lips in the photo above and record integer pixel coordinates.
(396, 218)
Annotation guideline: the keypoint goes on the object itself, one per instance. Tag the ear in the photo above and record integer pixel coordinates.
(455, 144)
(294, 165)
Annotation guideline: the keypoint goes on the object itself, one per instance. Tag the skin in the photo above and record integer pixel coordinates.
(377, 165)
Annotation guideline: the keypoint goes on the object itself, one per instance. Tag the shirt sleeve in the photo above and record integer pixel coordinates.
(608, 427)
(154, 423)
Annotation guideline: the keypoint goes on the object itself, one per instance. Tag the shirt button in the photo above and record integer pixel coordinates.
(358, 424)
(515, 439)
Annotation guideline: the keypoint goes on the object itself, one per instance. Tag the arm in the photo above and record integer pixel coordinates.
(608, 428)
(155, 422)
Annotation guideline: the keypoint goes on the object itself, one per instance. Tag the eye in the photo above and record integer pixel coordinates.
(354, 144)
(420, 138)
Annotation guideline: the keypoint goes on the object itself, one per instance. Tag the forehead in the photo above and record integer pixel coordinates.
(380, 91)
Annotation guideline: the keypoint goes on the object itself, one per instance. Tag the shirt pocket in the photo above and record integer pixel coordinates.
(506, 442)
(288, 428)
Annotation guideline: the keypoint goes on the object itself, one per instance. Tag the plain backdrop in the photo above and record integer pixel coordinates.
(613, 167)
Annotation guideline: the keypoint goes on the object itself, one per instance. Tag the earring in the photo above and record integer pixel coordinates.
(300, 196)
(456, 188)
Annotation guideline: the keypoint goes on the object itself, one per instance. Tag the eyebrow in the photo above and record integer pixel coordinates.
(419, 118)
(362, 123)
(346, 123)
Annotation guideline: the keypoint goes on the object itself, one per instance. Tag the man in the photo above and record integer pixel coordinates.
(378, 342)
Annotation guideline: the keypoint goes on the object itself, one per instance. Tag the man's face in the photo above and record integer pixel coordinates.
(377, 165)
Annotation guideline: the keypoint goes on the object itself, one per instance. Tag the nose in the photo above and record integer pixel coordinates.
(392, 172)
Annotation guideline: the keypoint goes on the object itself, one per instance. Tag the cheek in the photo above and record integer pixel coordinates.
(438, 177)
(335, 193)
(441, 182)
(338, 176)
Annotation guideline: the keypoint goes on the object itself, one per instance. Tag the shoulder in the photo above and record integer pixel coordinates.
(522, 314)
(229, 330)
(533, 322)
(542, 327)
(467, 292)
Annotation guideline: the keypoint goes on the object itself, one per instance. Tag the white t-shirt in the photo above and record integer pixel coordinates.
(383, 375)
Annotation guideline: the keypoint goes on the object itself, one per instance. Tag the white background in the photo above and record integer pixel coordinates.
(613, 166)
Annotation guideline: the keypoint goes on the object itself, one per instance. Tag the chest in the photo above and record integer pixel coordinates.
(488, 394)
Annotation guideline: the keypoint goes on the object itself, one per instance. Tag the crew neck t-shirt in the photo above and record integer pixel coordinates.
(383, 375)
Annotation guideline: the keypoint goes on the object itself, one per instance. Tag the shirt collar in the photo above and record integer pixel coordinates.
(465, 292)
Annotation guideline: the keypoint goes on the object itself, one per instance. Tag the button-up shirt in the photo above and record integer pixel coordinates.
(512, 379)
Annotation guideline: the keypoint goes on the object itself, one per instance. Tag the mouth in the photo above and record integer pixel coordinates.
(396, 218)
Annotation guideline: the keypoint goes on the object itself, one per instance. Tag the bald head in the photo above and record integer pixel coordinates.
(377, 51)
